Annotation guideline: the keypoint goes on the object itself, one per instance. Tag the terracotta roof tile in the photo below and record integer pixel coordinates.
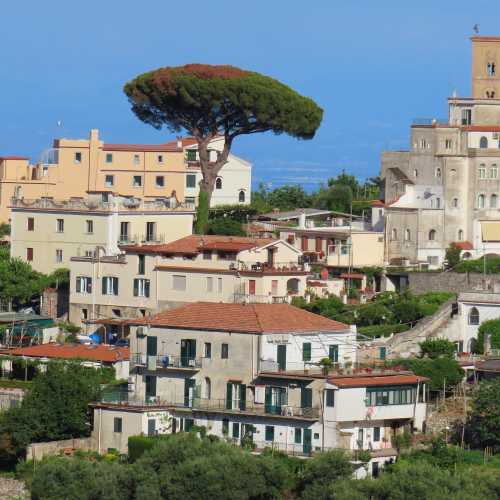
(194, 244)
(376, 380)
(464, 245)
(254, 318)
(105, 353)
(13, 158)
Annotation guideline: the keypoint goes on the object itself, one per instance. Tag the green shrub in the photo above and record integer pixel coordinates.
(226, 227)
(138, 445)
(376, 331)
(435, 348)
(492, 328)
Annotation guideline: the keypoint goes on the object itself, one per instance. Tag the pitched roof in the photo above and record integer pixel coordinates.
(14, 158)
(376, 380)
(195, 243)
(92, 352)
(254, 318)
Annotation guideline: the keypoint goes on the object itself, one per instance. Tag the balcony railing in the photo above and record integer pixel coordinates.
(245, 298)
(138, 239)
(165, 361)
(275, 267)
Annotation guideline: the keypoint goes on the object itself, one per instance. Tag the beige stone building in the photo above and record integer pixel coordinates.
(47, 233)
(149, 278)
(445, 188)
(79, 167)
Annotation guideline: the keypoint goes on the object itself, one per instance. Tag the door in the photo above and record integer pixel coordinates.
(151, 427)
(189, 389)
(151, 352)
(307, 442)
(281, 357)
(188, 351)
(306, 400)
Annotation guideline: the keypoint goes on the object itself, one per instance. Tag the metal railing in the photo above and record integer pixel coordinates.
(245, 298)
(275, 267)
(429, 121)
(141, 238)
(165, 361)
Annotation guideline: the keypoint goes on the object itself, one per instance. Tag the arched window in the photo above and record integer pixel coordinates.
(438, 173)
(407, 235)
(483, 142)
(474, 316)
(490, 94)
(466, 255)
(493, 201)
(432, 235)
(460, 235)
(241, 197)
(493, 171)
(482, 171)
(208, 388)
(480, 201)
(394, 234)
(490, 69)
(454, 203)
(218, 183)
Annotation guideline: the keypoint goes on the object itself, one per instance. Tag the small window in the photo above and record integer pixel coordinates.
(219, 285)
(483, 142)
(190, 180)
(438, 202)
(29, 254)
(78, 157)
(110, 180)
(59, 255)
(407, 235)
(241, 196)
(438, 173)
(394, 234)
(224, 352)
(454, 203)
(493, 201)
(179, 283)
(493, 172)
(117, 425)
(84, 313)
(460, 235)
(31, 223)
(208, 350)
(474, 316)
(269, 433)
(150, 231)
(160, 158)
(141, 287)
(60, 225)
(218, 183)
(141, 267)
(376, 434)
(137, 181)
(89, 253)
(482, 171)
(83, 284)
(109, 285)
(160, 181)
(330, 397)
(210, 284)
(490, 69)
(117, 313)
(191, 154)
(298, 435)
(306, 351)
(236, 430)
(109, 157)
(480, 201)
(432, 235)
(89, 224)
(448, 143)
(490, 94)
(137, 159)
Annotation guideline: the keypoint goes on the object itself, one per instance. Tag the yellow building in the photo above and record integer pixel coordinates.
(78, 167)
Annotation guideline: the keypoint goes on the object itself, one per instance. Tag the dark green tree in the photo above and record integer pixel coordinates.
(288, 198)
(490, 327)
(436, 348)
(452, 256)
(225, 226)
(209, 101)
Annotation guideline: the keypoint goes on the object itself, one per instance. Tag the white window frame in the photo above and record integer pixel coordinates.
(179, 282)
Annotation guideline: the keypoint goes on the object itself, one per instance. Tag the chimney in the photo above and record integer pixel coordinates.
(179, 142)
(302, 220)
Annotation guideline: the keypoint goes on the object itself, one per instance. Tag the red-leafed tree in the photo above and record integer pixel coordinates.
(209, 101)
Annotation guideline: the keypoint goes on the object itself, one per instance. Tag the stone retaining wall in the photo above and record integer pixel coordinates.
(36, 451)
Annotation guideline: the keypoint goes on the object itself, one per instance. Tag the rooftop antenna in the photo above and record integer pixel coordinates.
(476, 29)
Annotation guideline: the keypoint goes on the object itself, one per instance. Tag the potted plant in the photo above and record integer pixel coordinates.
(326, 365)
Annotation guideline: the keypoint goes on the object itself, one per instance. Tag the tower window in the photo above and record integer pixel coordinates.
(460, 235)
(491, 69)
(432, 235)
(490, 94)
(483, 142)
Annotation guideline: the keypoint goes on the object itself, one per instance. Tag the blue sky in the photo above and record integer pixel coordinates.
(372, 66)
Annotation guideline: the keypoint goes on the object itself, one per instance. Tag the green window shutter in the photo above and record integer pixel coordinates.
(269, 433)
(146, 288)
(104, 288)
(115, 286)
(306, 397)
(225, 426)
(229, 396)
(136, 287)
(306, 351)
(236, 430)
(243, 397)
(268, 399)
(298, 435)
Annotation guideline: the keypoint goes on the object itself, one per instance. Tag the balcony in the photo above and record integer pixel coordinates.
(140, 239)
(165, 362)
(274, 268)
(245, 298)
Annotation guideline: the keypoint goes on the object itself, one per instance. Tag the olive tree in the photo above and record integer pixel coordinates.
(220, 101)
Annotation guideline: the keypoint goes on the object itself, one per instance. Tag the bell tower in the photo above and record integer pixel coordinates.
(485, 67)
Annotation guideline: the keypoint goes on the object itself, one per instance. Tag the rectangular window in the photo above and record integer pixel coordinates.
(225, 426)
(59, 255)
(376, 434)
(208, 350)
(304, 243)
(124, 227)
(150, 231)
(306, 351)
(333, 353)
(236, 430)
(251, 287)
(384, 396)
(210, 284)
(78, 157)
(60, 225)
(141, 287)
(219, 285)
(90, 226)
(160, 158)
(31, 223)
(117, 424)
(137, 181)
(224, 352)
(207, 255)
(137, 159)
(83, 284)
(85, 313)
(191, 180)
(109, 157)
(191, 154)
(160, 181)
(141, 258)
(109, 180)
(270, 433)
(29, 254)
(274, 287)
(298, 435)
(330, 397)
(179, 282)
(109, 285)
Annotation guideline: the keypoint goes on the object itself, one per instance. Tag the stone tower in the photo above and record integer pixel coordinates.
(485, 67)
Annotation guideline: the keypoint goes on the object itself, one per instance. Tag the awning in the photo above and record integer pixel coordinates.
(490, 230)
